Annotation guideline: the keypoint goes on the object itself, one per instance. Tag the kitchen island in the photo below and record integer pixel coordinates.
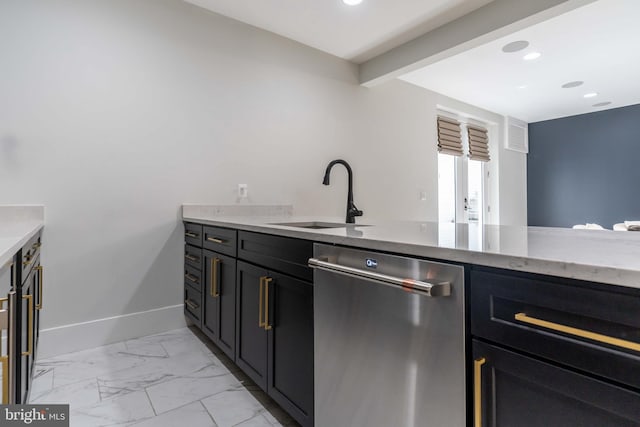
(594, 255)
(552, 328)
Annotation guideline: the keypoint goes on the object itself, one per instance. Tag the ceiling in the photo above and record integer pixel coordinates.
(356, 33)
(597, 44)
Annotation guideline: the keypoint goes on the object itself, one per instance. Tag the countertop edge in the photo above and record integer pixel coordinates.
(9, 252)
(607, 275)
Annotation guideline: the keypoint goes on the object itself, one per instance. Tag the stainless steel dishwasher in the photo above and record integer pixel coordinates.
(389, 340)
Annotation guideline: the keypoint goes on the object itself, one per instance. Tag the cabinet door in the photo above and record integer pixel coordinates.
(219, 317)
(38, 301)
(26, 336)
(290, 327)
(251, 336)
(514, 390)
(7, 278)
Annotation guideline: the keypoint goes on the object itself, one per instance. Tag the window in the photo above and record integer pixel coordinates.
(461, 178)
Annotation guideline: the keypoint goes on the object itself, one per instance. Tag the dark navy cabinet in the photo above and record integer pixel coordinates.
(252, 295)
(553, 352)
(21, 299)
(251, 337)
(219, 300)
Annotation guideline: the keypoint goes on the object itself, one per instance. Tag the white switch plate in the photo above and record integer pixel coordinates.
(243, 190)
(423, 195)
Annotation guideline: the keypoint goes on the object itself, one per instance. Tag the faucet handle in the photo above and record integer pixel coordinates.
(353, 212)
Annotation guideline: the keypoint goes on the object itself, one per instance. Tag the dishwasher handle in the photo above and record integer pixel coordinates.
(442, 289)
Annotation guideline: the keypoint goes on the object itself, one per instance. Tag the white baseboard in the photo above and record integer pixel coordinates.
(95, 333)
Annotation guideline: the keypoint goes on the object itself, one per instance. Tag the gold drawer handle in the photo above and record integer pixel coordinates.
(477, 391)
(191, 258)
(40, 270)
(261, 324)
(29, 351)
(192, 305)
(214, 277)
(629, 345)
(5, 379)
(188, 234)
(215, 240)
(28, 261)
(4, 324)
(191, 278)
(267, 280)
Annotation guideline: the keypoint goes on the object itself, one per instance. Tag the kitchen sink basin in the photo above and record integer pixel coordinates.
(317, 225)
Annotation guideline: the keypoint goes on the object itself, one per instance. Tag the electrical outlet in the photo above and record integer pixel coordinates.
(243, 191)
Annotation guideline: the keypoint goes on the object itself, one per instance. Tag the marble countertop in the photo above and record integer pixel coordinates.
(611, 257)
(17, 225)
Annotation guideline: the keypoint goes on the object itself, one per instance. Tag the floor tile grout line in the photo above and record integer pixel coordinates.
(199, 400)
(150, 402)
(208, 413)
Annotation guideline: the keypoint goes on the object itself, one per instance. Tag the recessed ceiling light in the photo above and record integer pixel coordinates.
(572, 84)
(515, 46)
(522, 87)
(591, 95)
(602, 104)
(352, 2)
(531, 56)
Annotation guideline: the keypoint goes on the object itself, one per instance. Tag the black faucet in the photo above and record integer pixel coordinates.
(352, 211)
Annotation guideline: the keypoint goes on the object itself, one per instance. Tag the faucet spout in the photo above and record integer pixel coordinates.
(352, 210)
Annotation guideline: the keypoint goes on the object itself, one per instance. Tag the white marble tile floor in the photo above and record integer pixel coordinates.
(177, 378)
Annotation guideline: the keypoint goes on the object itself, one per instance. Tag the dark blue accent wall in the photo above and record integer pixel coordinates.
(585, 168)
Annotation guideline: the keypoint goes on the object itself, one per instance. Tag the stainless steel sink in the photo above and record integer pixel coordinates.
(317, 225)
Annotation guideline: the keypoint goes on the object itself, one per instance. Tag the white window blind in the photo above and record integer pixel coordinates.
(449, 136)
(478, 143)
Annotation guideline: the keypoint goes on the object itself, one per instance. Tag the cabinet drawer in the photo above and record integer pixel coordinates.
(193, 256)
(222, 240)
(193, 304)
(283, 254)
(193, 234)
(192, 277)
(592, 327)
(514, 390)
(30, 252)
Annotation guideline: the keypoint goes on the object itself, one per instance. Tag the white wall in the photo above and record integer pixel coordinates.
(113, 113)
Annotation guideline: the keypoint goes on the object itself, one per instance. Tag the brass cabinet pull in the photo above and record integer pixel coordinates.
(4, 324)
(260, 322)
(192, 305)
(629, 345)
(40, 281)
(267, 326)
(191, 257)
(214, 291)
(5, 379)
(191, 278)
(214, 240)
(477, 391)
(27, 262)
(29, 351)
(7, 321)
(188, 234)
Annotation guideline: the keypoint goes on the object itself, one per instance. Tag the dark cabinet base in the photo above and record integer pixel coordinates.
(520, 391)
(290, 369)
(251, 336)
